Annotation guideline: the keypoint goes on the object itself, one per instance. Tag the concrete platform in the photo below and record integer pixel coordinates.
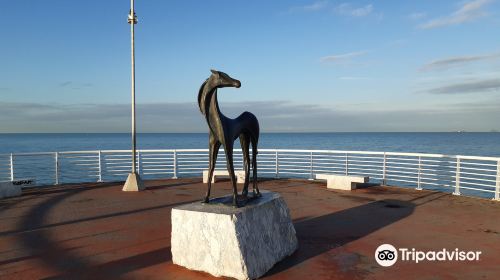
(96, 231)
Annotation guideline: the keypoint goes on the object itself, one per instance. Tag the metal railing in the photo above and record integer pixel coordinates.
(470, 175)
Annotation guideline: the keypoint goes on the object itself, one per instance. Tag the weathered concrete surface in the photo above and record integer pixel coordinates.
(96, 231)
(133, 183)
(9, 189)
(243, 243)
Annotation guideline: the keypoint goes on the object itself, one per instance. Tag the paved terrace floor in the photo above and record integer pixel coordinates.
(95, 231)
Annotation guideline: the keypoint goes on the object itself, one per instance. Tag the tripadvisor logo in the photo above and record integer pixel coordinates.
(387, 255)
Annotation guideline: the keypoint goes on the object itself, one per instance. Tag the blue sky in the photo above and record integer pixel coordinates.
(304, 65)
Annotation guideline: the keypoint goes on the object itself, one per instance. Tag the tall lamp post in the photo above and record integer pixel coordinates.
(133, 182)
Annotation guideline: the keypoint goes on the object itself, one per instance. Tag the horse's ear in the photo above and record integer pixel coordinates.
(214, 71)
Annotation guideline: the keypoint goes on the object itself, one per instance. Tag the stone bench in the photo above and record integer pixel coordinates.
(240, 175)
(9, 189)
(342, 182)
(14, 188)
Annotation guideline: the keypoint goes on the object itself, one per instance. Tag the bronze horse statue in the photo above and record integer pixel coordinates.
(224, 131)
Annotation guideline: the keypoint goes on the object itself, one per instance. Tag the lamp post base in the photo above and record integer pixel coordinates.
(133, 183)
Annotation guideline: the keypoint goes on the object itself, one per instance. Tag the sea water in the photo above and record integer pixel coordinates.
(477, 144)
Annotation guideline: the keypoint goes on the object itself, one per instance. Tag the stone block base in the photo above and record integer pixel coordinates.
(243, 243)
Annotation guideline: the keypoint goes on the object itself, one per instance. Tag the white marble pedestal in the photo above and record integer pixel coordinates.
(243, 243)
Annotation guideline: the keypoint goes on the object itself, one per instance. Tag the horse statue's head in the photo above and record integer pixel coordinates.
(221, 79)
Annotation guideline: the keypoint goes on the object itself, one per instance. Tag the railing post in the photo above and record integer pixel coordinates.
(139, 162)
(419, 178)
(100, 166)
(11, 167)
(346, 164)
(277, 165)
(457, 178)
(497, 189)
(175, 165)
(384, 170)
(311, 177)
(56, 157)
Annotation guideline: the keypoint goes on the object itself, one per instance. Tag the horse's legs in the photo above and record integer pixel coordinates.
(228, 148)
(254, 167)
(245, 147)
(214, 146)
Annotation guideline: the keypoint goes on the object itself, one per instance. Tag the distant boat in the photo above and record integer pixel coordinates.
(461, 131)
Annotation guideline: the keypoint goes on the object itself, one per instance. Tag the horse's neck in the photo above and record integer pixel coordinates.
(210, 105)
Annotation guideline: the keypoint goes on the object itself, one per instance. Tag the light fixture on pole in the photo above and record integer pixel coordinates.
(133, 182)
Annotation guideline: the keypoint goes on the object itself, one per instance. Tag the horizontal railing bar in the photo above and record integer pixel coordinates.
(475, 189)
(326, 156)
(289, 159)
(331, 165)
(299, 173)
(437, 184)
(403, 180)
(477, 164)
(367, 161)
(437, 170)
(401, 159)
(156, 169)
(475, 184)
(479, 174)
(328, 166)
(156, 165)
(435, 179)
(293, 169)
(157, 173)
(479, 169)
(328, 160)
(151, 158)
(364, 169)
(282, 164)
(401, 163)
(400, 176)
(193, 161)
(283, 151)
(365, 165)
(395, 169)
(477, 179)
(316, 170)
(365, 157)
(364, 173)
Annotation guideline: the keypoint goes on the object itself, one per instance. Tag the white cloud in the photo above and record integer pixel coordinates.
(469, 11)
(345, 56)
(450, 62)
(363, 11)
(349, 10)
(479, 86)
(417, 16)
(316, 6)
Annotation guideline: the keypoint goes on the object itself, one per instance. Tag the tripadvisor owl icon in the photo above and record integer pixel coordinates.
(386, 255)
